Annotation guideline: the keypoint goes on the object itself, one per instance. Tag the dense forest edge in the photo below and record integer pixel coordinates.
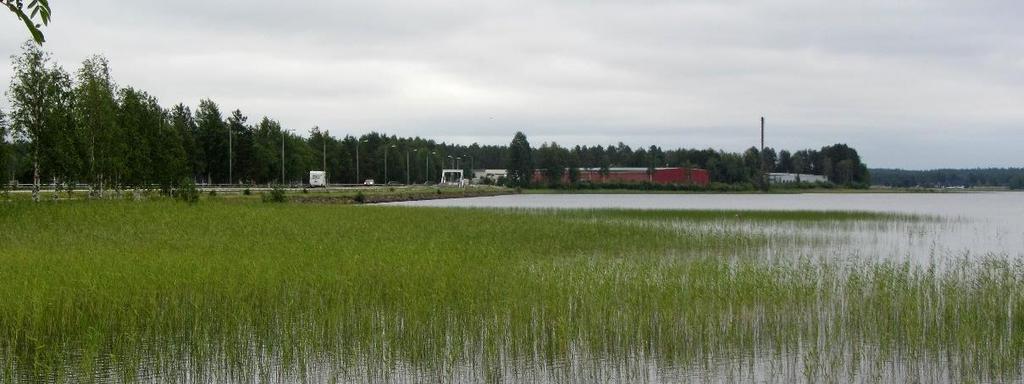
(1012, 178)
(83, 129)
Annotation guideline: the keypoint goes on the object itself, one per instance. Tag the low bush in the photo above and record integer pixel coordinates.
(187, 191)
(276, 195)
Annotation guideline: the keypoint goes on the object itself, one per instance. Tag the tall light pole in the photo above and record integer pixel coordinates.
(428, 155)
(764, 175)
(357, 158)
(408, 176)
(230, 158)
(386, 150)
(282, 153)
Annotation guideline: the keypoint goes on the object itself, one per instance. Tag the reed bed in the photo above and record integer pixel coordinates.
(159, 291)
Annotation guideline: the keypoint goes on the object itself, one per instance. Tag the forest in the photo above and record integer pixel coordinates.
(83, 129)
(1012, 178)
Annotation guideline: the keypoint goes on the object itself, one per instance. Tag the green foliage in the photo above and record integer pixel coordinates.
(37, 10)
(939, 178)
(276, 195)
(359, 198)
(5, 154)
(187, 191)
(246, 192)
(40, 97)
(96, 119)
(212, 132)
(520, 161)
(1017, 183)
(551, 163)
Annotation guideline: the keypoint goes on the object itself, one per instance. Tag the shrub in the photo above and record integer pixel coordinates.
(360, 198)
(213, 193)
(247, 192)
(276, 195)
(187, 191)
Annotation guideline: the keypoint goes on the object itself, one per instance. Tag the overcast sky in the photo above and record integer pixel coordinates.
(911, 84)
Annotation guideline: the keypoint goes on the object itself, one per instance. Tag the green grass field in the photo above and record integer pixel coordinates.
(237, 290)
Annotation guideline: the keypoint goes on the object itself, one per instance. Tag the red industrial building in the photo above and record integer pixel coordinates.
(673, 175)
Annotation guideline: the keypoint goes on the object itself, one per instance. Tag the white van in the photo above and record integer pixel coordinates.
(317, 179)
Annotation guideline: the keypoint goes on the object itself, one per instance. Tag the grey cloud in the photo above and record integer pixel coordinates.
(907, 82)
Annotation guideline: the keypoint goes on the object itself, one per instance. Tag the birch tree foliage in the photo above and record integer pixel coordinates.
(35, 14)
(40, 99)
(95, 111)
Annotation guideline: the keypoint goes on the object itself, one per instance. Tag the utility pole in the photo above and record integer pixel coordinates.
(230, 158)
(428, 162)
(764, 174)
(282, 157)
(408, 176)
(357, 158)
(386, 150)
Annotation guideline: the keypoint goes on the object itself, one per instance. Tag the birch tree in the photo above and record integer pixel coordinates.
(95, 111)
(40, 101)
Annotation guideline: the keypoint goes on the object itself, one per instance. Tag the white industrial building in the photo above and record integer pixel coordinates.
(493, 174)
(790, 178)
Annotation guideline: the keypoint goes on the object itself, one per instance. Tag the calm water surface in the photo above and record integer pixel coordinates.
(970, 225)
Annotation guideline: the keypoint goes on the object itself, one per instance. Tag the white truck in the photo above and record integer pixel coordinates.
(318, 179)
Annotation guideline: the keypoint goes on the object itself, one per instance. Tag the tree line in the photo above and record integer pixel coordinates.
(839, 162)
(69, 130)
(78, 129)
(942, 178)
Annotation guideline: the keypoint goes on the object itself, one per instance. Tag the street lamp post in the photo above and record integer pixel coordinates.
(357, 158)
(443, 175)
(386, 150)
(408, 175)
(230, 158)
(427, 155)
(282, 153)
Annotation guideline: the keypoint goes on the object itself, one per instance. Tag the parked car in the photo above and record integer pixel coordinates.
(368, 182)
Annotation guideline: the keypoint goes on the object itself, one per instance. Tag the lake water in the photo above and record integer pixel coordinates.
(970, 225)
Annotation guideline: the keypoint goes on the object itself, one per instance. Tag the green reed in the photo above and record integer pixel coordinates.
(161, 291)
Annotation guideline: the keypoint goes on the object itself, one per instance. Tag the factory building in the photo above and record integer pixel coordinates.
(792, 178)
(666, 175)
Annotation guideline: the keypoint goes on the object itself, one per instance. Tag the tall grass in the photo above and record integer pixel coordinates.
(223, 291)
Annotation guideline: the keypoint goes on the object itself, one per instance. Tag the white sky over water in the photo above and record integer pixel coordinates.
(912, 84)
